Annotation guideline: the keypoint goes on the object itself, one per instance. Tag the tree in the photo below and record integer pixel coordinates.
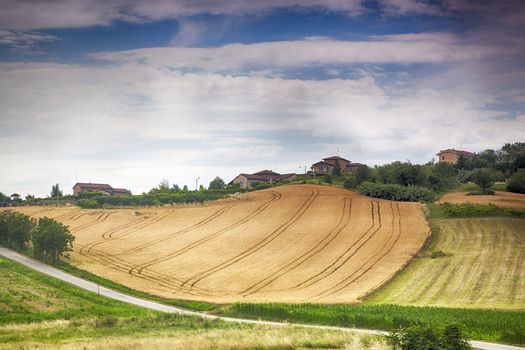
(483, 178)
(51, 240)
(164, 186)
(363, 173)
(4, 233)
(55, 191)
(217, 184)
(517, 182)
(19, 230)
(4, 200)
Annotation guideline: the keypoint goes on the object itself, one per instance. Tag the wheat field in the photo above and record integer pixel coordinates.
(295, 243)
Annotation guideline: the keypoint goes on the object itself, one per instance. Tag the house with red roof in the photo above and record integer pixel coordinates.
(326, 166)
(452, 155)
(265, 176)
(100, 188)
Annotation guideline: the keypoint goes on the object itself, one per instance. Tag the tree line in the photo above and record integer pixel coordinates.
(422, 182)
(45, 239)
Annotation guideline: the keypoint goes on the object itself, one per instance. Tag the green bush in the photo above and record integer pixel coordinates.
(437, 254)
(424, 338)
(396, 192)
(484, 179)
(106, 322)
(87, 203)
(517, 182)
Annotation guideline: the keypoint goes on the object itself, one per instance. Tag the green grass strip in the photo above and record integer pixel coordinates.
(489, 325)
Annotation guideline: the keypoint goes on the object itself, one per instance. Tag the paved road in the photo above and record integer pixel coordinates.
(95, 288)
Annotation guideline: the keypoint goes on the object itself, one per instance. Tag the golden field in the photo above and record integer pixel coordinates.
(296, 243)
(501, 198)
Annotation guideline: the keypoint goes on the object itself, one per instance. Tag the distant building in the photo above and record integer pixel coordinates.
(100, 188)
(266, 176)
(326, 166)
(451, 156)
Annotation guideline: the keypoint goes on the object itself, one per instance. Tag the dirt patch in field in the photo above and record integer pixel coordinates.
(504, 199)
(296, 243)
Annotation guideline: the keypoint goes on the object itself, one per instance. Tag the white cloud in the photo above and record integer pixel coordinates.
(189, 32)
(407, 48)
(135, 124)
(17, 38)
(32, 14)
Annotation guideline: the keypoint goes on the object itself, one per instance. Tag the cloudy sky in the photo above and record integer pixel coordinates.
(131, 92)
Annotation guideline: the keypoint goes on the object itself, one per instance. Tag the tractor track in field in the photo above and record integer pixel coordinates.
(316, 249)
(348, 280)
(101, 218)
(201, 223)
(139, 268)
(259, 245)
(139, 226)
(122, 265)
(333, 267)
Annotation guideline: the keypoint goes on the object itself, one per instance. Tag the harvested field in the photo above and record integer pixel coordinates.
(297, 243)
(481, 265)
(504, 199)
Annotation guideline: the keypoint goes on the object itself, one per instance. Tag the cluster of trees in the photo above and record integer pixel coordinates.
(505, 164)
(407, 181)
(47, 239)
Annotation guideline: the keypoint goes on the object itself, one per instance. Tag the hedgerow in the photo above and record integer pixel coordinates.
(395, 192)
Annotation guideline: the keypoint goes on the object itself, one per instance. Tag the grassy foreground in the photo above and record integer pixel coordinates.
(29, 296)
(177, 332)
(41, 312)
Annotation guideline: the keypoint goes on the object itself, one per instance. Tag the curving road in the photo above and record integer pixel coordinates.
(95, 288)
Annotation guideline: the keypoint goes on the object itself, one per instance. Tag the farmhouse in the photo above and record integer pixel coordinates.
(451, 156)
(264, 176)
(100, 188)
(326, 166)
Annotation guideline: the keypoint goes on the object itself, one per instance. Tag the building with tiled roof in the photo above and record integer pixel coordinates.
(326, 166)
(451, 155)
(101, 188)
(265, 176)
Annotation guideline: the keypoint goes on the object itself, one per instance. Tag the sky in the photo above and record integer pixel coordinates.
(131, 92)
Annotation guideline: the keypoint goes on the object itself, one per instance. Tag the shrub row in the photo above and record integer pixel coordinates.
(396, 192)
(466, 210)
(182, 197)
